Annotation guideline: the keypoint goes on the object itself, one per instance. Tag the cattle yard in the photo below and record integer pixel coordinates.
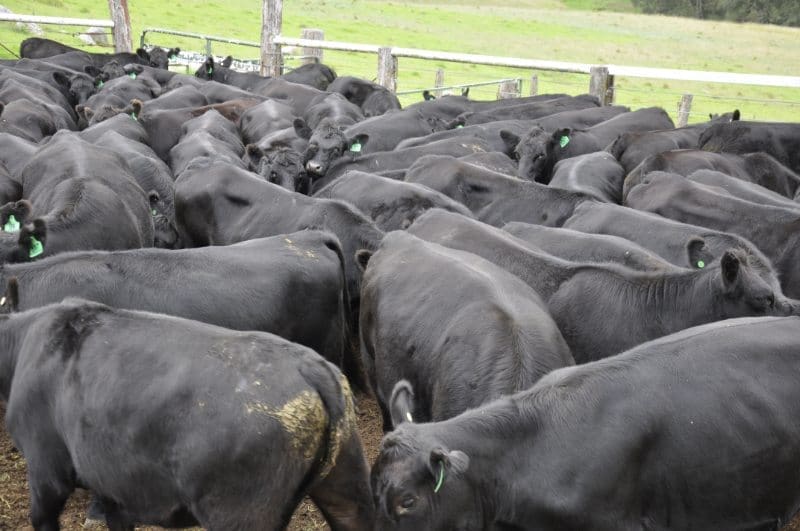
(570, 277)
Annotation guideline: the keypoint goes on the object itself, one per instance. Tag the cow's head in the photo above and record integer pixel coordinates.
(77, 87)
(282, 166)
(210, 70)
(165, 233)
(420, 483)
(327, 144)
(536, 152)
(159, 57)
(21, 240)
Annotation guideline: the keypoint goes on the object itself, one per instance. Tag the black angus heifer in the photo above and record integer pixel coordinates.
(335, 107)
(314, 74)
(373, 99)
(632, 148)
(279, 165)
(391, 204)
(40, 48)
(696, 430)
(539, 150)
(527, 111)
(758, 168)
(469, 333)
(774, 228)
(219, 204)
(589, 301)
(780, 140)
(87, 196)
(290, 285)
(190, 423)
(584, 247)
(401, 159)
(597, 174)
(493, 197)
(490, 131)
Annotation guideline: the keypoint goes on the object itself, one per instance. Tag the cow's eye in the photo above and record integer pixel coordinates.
(406, 504)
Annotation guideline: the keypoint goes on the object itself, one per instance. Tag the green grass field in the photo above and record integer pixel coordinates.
(567, 30)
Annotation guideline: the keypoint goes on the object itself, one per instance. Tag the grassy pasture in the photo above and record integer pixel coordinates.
(568, 30)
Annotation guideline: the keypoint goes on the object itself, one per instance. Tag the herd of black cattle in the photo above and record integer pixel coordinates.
(572, 316)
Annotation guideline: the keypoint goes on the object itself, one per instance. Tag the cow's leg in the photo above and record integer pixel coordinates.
(95, 513)
(48, 497)
(344, 495)
(114, 517)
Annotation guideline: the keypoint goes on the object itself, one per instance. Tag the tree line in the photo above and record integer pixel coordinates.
(783, 12)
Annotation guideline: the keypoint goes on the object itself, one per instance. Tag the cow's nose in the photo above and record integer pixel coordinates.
(313, 167)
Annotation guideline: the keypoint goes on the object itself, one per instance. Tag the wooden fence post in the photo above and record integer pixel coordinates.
(601, 85)
(534, 85)
(123, 41)
(508, 89)
(387, 69)
(271, 21)
(684, 108)
(312, 55)
(439, 82)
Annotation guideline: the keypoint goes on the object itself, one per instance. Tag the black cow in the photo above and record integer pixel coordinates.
(746, 190)
(40, 48)
(539, 150)
(87, 196)
(314, 74)
(383, 161)
(584, 247)
(468, 334)
(597, 174)
(282, 166)
(276, 287)
(490, 131)
(15, 151)
(169, 419)
(495, 198)
(373, 99)
(334, 107)
(759, 168)
(773, 228)
(780, 140)
(679, 243)
(391, 204)
(527, 111)
(679, 433)
(265, 118)
(208, 136)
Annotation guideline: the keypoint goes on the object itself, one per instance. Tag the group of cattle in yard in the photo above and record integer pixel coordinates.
(572, 316)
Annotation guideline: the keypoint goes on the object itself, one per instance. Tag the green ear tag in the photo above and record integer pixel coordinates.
(154, 212)
(441, 478)
(100, 84)
(132, 75)
(459, 126)
(173, 57)
(210, 71)
(563, 141)
(701, 264)
(12, 225)
(36, 248)
(355, 147)
(133, 115)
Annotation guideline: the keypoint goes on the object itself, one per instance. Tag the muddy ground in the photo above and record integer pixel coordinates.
(14, 487)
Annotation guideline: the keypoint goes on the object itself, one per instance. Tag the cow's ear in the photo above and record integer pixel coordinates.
(401, 403)
(736, 115)
(227, 62)
(729, 265)
(510, 140)
(32, 239)
(9, 302)
(92, 70)
(172, 54)
(86, 111)
(457, 123)
(134, 109)
(254, 151)
(443, 464)
(142, 53)
(698, 255)
(61, 79)
(561, 137)
(356, 143)
(155, 199)
(465, 92)
(301, 128)
(362, 258)
(14, 215)
(427, 96)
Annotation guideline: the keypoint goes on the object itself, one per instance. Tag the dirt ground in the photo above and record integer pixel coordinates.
(14, 487)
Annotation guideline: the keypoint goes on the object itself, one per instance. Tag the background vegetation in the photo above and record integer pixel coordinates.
(588, 31)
